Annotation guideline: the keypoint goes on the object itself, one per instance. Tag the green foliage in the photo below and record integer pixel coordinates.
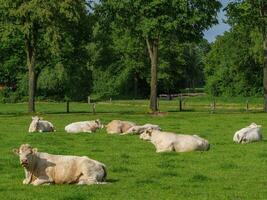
(54, 36)
(79, 52)
(251, 13)
(233, 66)
(151, 19)
(181, 65)
(11, 56)
(118, 62)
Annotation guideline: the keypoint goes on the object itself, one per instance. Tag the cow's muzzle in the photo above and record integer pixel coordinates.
(24, 164)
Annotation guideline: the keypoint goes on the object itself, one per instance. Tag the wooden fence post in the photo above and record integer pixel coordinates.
(94, 109)
(158, 103)
(180, 103)
(68, 106)
(213, 106)
(247, 108)
(110, 100)
(89, 99)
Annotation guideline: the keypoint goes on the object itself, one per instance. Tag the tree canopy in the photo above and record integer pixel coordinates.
(67, 50)
(46, 29)
(155, 20)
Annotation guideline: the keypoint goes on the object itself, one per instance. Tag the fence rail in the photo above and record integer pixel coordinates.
(178, 104)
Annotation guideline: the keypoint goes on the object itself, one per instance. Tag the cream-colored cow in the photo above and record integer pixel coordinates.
(43, 168)
(40, 125)
(84, 126)
(118, 126)
(251, 133)
(167, 141)
(140, 129)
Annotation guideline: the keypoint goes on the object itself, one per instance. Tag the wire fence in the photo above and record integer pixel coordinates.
(177, 104)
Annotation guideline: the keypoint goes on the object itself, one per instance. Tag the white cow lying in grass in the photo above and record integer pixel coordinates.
(118, 126)
(248, 134)
(40, 125)
(140, 129)
(166, 141)
(43, 168)
(84, 126)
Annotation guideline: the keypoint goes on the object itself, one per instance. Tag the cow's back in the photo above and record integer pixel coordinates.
(187, 143)
(248, 134)
(125, 125)
(45, 126)
(180, 142)
(68, 169)
(254, 134)
(118, 126)
(77, 127)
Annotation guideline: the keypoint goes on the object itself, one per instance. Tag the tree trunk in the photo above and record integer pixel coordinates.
(152, 46)
(31, 91)
(265, 73)
(135, 85)
(30, 51)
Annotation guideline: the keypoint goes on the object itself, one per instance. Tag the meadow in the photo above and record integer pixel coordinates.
(135, 170)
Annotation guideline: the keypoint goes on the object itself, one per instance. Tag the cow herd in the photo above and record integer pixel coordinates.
(43, 168)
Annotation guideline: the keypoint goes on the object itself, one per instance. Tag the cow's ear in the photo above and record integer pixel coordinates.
(34, 150)
(16, 151)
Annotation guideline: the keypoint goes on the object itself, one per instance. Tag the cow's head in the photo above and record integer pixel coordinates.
(254, 125)
(26, 155)
(147, 134)
(99, 124)
(34, 124)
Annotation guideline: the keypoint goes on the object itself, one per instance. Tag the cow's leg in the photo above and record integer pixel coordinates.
(42, 181)
(125, 133)
(163, 147)
(86, 180)
(28, 177)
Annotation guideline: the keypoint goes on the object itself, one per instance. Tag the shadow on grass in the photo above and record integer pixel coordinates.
(112, 180)
(145, 182)
(199, 178)
(120, 169)
(228, 166)
(185, 110)
(169, 174)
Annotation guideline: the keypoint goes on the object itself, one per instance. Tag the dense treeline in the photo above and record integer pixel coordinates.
(73, 50)
(66, 50)
(233, 67)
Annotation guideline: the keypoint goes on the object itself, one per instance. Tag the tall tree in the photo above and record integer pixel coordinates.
(252, 13)
(42, 26)
(153, 20)
(233, 65)
(118, 61)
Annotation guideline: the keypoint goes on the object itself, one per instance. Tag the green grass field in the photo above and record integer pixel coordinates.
(135, 171)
